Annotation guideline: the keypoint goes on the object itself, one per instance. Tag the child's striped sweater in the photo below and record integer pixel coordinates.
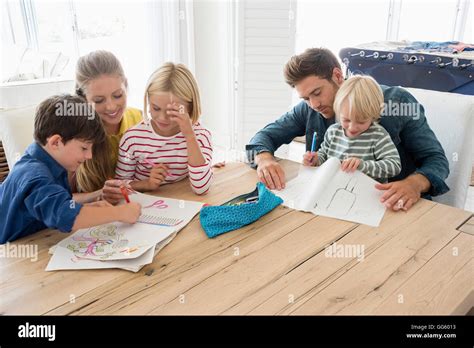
(379, 156)
(141, 144)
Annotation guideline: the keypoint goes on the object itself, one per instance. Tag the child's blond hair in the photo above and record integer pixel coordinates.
(178, 80)
(364, 96)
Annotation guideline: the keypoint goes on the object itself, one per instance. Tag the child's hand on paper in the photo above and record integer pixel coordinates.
(129, 212)
(157, 176)
(350, 164)
(179, 114)
(310, 159)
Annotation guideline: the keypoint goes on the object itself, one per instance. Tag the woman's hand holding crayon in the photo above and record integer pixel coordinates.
(111, 191)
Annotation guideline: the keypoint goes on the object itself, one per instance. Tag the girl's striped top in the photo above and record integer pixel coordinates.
(379, 156)
(141, 145)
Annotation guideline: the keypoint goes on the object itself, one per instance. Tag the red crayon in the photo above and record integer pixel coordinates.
(124, 193)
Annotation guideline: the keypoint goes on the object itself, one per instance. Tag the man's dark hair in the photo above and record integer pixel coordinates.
(314, 61)
(69, 116)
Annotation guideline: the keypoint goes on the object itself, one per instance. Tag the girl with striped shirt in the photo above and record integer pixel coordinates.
(357, 139)
(170, 144)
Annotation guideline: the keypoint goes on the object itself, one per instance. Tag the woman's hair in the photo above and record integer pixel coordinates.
(95, 64)
(92, 174)
(364, 96)
(178, 80)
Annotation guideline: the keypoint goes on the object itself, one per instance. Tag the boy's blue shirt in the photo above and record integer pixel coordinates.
(36, 195)
(419, 149)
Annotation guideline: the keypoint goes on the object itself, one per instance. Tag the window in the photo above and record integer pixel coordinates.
(123, 28)
(424, 20)
(339, 24)
(43, 39)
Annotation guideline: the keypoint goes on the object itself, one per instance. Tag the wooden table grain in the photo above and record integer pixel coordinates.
(418, 262)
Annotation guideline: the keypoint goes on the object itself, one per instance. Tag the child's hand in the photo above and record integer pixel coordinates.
(350, 164)
(99, 204)
(130, 212)
(157, 176)
(310, 159)
(179, 114)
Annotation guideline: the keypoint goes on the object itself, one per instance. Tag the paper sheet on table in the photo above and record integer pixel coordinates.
(64, 259)
(166, 212)
(115, 241)
(119, 245)
(328, 191)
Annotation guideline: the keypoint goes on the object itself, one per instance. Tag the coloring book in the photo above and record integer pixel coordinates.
(126, 246)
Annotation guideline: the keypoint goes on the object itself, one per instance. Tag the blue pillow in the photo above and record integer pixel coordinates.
(216, 220)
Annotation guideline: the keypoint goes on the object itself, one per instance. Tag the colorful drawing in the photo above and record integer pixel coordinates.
(101, 243)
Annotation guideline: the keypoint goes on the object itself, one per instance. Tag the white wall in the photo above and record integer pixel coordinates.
(214, 66)
(265, 43)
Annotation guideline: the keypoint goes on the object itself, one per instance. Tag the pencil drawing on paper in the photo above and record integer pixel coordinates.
(343, 198)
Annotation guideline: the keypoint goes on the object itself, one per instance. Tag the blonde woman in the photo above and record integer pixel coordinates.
(357, 139)
(101, 80)
(170, 144)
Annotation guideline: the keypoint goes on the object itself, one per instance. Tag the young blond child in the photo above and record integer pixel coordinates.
(357, 139)
(170, 144)
(36, 194)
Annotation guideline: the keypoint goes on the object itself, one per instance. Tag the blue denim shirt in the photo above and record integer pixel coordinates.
(419, 149)
(34, 196)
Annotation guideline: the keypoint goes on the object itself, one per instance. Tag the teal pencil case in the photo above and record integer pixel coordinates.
(238, 212)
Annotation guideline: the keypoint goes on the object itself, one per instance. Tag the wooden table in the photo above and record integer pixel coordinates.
(419, 262)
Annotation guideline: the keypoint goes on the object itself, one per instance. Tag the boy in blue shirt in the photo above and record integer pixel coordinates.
(36, 194)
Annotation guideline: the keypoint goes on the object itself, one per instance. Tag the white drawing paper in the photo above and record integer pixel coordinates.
(328, 191)
(166, 212)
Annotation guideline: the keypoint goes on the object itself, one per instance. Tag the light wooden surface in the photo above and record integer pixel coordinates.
(419, 262)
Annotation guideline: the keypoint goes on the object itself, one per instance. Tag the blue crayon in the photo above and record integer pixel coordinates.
(313, 144)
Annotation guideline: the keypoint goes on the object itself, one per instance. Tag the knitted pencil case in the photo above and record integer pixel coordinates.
(238, 212)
